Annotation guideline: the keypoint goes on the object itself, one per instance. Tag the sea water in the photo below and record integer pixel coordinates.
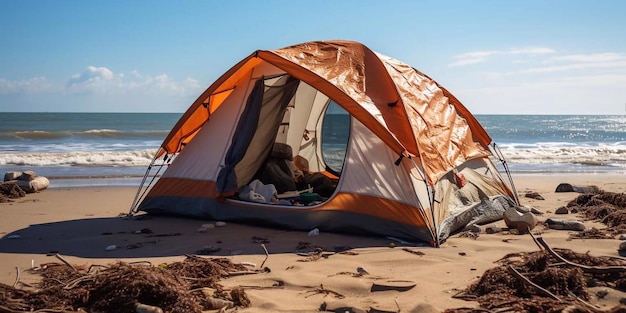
(91, 149)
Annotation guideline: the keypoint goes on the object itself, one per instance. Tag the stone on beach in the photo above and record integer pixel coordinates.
(565, 224)
(521, 221)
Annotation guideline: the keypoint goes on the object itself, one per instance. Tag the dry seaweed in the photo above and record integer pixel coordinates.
(10, 191)
(560, 284)
(121, 286)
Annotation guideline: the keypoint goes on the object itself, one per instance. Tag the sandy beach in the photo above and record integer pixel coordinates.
(80, 223)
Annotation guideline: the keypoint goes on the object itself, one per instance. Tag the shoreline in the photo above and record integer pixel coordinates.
(79, 223)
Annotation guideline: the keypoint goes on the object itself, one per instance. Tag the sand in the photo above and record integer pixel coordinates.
(80, 223)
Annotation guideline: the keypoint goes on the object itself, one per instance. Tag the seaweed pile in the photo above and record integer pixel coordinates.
(549, 280)
(10, 191)
(187, 286)
(608, 208)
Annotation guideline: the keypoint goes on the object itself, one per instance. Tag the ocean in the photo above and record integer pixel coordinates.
(114, 149)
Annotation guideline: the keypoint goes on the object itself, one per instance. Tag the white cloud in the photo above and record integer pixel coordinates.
(482, 56)
(593, 57)
(576, 66)
(33, 85)
(101, 80)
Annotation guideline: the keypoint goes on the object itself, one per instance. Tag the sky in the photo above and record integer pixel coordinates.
(495, 56)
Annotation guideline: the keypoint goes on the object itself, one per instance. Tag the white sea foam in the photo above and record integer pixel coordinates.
(613, 155)
(96, 158)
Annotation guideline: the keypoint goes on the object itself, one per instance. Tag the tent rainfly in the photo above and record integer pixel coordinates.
(388, 151)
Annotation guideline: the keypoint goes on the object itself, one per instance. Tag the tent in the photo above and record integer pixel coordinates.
(407, 159)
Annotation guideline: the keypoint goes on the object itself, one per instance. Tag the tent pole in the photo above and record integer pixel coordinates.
(431, 200)
(500, 156)
(133, 207)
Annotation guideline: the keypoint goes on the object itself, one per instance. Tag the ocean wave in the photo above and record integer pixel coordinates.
(35, 135)
(599, 155)
(99, 158)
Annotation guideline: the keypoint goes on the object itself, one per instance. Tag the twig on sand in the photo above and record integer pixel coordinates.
(58, 256)
(590, 306)
(326, 292)
(584, 268)
(267, 255)
(17, 278)
(527, 281)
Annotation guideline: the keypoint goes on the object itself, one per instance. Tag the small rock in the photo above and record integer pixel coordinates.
(314, 232)
(601, 294)
(534, 195)
(562, 210)
(220, 224)
(522, 221)
(144, 308)
(361, 271)
(622, 245)
(392, 245)
(492, 229)
(201, 230)
(565, 224)
(13, 237)
(462, 253)
(110, 248)
(209, 226)
(622, 237)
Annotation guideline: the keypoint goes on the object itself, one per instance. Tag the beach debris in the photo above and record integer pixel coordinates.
(220, 224)
(111, 247)
(622, 248)
(322, 290)
(361, 271)
(420, 253)
(469, 234)
(592, 233)
(549, 280)
(487, 229)
(561, 224)
(397, 285)
(562, 210)
(14, 237)
(28, 181)
(128, 287)
(565, 187)
(10, 191)
(8, 176)
(341, 306)
(520, 219)
(534, 195)
(314, 232)
(144, 308)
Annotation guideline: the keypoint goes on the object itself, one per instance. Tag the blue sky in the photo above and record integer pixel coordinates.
(497, 57)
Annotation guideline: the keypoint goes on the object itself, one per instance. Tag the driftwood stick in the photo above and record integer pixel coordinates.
(239, 273)
(17, 277)
(58, 256)
(527, 281)
(588, 305)
(267, 255)
(534, 239)
(584, 268)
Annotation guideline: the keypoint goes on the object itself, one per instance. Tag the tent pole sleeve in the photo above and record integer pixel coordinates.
(500, 157)
(133, 207)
